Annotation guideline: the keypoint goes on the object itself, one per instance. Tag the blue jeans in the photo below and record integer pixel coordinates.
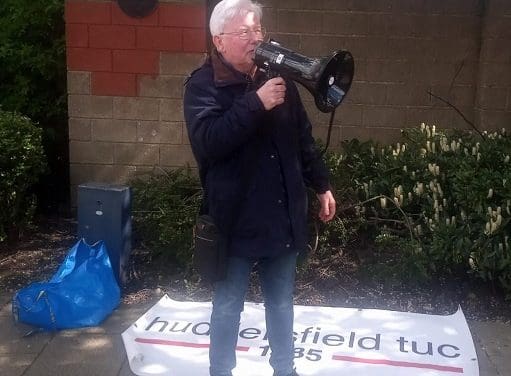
(277, 278)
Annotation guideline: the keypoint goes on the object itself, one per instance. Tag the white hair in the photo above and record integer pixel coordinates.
(226, 10)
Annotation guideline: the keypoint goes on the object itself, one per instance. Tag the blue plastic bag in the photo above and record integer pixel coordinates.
(83, 292)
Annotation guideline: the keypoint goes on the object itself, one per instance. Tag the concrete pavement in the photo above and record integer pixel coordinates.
(99, 351)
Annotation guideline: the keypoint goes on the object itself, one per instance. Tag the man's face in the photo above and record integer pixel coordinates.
(238, 41)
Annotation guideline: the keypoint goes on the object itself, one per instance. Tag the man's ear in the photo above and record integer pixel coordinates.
(219, 43)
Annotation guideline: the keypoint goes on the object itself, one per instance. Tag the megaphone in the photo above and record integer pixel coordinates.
(328, 78)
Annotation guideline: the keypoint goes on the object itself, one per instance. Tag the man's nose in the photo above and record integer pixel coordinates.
(256, 37)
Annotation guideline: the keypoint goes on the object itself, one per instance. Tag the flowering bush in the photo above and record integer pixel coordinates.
(448, 194)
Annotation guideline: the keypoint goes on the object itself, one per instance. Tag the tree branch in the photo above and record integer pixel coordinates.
(472, 125)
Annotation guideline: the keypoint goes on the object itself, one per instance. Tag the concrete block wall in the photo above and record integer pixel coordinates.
(125, 75)
(403, 50)
(493, 105)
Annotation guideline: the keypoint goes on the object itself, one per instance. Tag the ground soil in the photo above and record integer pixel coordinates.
(342, 279)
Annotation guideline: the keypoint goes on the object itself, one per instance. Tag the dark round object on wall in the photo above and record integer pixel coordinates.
(138, 8)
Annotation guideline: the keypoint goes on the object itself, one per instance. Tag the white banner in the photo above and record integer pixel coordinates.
(172, 338)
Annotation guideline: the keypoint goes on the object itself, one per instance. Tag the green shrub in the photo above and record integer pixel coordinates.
(33, 82)
(22, 161)
(33, 59)
(448, 194)
(165, 206)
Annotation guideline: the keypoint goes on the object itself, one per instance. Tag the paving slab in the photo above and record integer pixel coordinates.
(486, 367)
(126, 370)
(13, 342)
(493, 342)
(119, 320)
(5, 304)
(80, 354)
(100, 350)
(15, 365)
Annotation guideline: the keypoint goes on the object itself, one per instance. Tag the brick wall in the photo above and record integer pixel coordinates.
(125, 84)
(125, 75)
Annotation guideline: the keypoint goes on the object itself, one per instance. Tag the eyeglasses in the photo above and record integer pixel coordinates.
(245, 34)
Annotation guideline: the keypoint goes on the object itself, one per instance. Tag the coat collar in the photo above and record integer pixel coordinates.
(224, 73)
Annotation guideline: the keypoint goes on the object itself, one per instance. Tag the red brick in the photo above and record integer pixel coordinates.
(88, 12)
(77, 35)
(109, 36)
(182, 15)
(136, 61)
(117, 84)
(121, 18)
(194, 40)
(159, 38)
(89, 59)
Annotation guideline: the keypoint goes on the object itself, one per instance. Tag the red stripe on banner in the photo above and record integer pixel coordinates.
(398, 363)
(150, 341)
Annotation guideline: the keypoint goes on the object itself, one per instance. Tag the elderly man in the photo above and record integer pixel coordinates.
(252, 141)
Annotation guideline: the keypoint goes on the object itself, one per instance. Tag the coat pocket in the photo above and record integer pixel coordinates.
(210, 251)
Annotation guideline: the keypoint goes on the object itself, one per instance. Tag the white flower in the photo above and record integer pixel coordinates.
(439, 189)
(472, 262)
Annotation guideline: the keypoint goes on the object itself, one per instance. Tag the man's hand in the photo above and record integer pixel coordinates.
(272, 93)
(327, 202)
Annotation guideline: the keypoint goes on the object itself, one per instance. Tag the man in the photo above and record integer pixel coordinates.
(253, 145)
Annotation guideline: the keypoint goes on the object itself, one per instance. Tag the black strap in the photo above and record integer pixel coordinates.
(329, 132)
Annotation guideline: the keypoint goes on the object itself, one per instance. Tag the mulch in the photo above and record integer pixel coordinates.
(340, 279)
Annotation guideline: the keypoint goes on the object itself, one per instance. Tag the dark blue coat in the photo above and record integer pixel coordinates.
(254, 164)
